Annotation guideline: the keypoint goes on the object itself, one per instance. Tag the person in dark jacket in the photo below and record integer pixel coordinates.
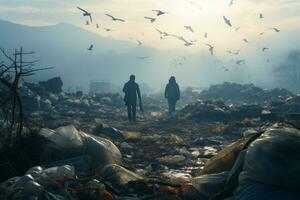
(132, 92)
(172, 93)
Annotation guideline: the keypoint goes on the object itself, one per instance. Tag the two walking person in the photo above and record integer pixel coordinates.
(133, 94)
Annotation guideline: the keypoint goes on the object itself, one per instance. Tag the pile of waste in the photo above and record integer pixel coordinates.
(290, 105)
(239, 94)
(80, 146)
(260, 165)
(208, 111)
(45, 104)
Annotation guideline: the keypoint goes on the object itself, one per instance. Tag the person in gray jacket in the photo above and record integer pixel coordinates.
(132, 92)
(172, 93)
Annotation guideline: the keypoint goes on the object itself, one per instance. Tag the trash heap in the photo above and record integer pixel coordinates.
(243, 93)
(261, 165)
(290, 105)
(208, 111)
(46, 104)
(79, 146)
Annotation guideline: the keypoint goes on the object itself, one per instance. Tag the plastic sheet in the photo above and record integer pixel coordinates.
(225, 159)
(208, 185)
(118, 176)
(271, 167)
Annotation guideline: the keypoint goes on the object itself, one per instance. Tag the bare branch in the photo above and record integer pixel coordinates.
(7, 56)
(11, 105)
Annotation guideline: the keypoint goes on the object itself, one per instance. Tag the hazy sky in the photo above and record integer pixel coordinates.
(202, 15)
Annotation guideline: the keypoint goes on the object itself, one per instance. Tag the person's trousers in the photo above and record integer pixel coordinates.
(131, 111)
(172, 104)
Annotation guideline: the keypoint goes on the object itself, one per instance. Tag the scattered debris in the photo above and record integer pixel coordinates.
(219, 146)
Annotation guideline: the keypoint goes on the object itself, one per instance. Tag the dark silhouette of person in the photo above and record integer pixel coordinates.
(132, 91)
(172, 93)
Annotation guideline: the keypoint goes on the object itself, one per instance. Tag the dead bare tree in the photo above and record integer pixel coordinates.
(13, 69)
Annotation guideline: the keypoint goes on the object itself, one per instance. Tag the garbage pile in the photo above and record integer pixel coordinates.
(75, 165)
(47, 105)
(79, 146)
(290, 105)
(264, 166)
(53, 85)
(48, 96)
(240, 94)
(209, 111)
(261, 165)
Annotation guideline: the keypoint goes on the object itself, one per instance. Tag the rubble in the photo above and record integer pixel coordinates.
(118, 176)
(208, 111)
(208, 185)
(53, 85)
(239, 94)
(279, 148)
(35, 182)
(80, 146)
(65, 143)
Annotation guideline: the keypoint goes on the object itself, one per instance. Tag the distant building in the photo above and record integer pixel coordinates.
(100, 86)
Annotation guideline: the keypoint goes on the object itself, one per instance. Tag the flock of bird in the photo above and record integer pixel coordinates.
(186, 42)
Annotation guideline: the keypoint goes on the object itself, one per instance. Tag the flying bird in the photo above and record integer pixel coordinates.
(227, 21)
(240, 62)
(162, 33)
(265, 48)
(245, 40)
(91, 48)
(107, 29)
(261, 33)
(97, 26)
(189, 28)
(86, 14)
(159, 31)
(181, 38)
(231, 2)
(159, 12)
(176, 63)
(275, 29)
(225, 68)
(115, 18)
(261, 16)
(142, 57)
(139, 42)
(234, 53)
(211, 49)
(186, 43)
(151, 19)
